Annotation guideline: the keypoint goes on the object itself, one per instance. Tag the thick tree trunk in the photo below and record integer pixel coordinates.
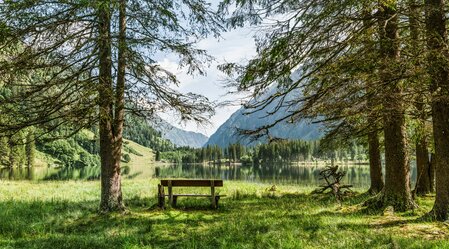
(441, 130)
(375, 164)
(110, 148)
(438, 70)
(396, 192)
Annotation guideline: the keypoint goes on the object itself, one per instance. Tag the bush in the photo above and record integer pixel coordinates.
(126, 158)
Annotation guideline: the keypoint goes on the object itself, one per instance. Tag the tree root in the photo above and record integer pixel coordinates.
(382, 200)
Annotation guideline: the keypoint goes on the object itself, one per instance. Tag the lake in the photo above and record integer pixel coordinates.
(304, 174)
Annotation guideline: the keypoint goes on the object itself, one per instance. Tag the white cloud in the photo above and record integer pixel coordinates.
(234, 46)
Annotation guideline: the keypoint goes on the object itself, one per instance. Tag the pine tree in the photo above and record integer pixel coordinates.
(350, 75)
(79, 87)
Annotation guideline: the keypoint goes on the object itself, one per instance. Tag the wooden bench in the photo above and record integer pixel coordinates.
(212, 184)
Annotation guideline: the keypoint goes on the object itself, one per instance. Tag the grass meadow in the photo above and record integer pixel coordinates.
(64, 214)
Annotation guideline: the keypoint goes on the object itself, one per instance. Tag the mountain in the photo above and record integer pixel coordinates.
(140, 131)
(180, 137)
(158, 134)
(227, 133)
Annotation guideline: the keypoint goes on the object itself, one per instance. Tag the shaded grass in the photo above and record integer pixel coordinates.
(64, 215)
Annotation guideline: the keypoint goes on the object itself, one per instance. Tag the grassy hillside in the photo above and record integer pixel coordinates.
(143, 156)
(78, 151)
(140, 157)
(84, 143)
(64, 215)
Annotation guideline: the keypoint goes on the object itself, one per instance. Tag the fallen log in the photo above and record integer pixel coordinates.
(333, 177)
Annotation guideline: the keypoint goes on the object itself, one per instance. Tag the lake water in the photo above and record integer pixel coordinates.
(277, 173)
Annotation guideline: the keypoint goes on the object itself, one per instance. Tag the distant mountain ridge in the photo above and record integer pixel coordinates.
(227, 133)
(178, 136)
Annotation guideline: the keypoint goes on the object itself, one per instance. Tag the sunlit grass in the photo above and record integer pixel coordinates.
(64, 215)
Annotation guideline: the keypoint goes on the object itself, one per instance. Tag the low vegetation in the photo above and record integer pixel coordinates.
(58, 214)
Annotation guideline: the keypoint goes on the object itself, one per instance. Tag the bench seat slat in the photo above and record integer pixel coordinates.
(193, 183)
(193, 195)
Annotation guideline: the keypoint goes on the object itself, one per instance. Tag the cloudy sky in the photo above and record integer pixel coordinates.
(234, 46)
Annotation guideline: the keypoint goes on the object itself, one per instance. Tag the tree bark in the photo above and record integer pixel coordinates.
(439, 74)
(432, 172)
(30, 150)
(396, 192)
(423, 185)
(11, 156)
(121, 70)
(110, 147)
(375, 164)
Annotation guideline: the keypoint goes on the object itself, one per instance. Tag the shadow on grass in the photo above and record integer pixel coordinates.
(252, 222)
(67, 224)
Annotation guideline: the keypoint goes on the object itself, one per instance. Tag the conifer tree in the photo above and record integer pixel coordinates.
(98, 59)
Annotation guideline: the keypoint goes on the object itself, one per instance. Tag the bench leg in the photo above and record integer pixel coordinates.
(175, 200)
(217, 198)
(213, 199)
(170, 193)
(160, 196)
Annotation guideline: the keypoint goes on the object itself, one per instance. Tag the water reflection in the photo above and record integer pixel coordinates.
(305, 175)
(278, 173)
(87, 173)
(50, 173)
(65, 173)
(17, 173)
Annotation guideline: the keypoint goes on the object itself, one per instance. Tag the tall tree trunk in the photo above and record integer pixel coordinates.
(422, 154)
(30, 148)
(110, 148)
(423, 185)
(11, 155)
(432, 172)
(396, 192)
(122, 60)
(121, 72)
(375, 164)
(438, 71)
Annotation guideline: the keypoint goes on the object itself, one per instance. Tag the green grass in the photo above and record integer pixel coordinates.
(64, 215)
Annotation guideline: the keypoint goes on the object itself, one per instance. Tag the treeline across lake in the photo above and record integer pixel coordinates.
(283, 151)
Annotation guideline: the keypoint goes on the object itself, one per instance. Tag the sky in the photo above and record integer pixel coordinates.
(234, 46)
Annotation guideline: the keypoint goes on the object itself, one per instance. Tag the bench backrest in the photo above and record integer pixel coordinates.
(193, 183)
